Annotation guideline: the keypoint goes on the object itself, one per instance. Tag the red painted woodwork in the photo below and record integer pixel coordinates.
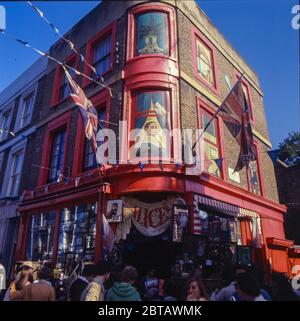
(196, 34)
(53, 126)
(59, 72)
(202, 106)
(110, 29)
(154, 7)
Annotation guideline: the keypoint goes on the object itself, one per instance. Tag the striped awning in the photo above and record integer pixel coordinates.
(218, 206)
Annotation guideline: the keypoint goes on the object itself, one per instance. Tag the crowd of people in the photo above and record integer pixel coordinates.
(98, 282)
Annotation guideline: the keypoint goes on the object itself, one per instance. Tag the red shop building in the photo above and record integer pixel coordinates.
(168, 67)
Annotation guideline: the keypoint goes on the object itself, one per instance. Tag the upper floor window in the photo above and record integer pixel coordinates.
(27, 110)
(57, 155)
(152, 119)
(205, 66)
(211, 144)
(101, 55)
(254, 176)
(16, 171)
(89, 159)
(64, 89)
(152, 33)
(5, 119)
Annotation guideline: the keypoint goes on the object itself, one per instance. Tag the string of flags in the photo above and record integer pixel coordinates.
(45, 54)
(67, 41)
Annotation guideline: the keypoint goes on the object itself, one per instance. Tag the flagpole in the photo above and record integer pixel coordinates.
(216, 112)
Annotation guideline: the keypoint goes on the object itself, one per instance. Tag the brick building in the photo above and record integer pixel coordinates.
(19, 108)
(165, 56)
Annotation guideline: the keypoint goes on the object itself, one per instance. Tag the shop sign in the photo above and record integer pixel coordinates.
(150, 219)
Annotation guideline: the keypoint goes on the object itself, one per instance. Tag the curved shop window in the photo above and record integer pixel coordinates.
(151, 121)
(152, 33)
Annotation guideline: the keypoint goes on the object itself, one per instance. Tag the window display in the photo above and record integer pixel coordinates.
(152, 33)
(40, 237)
(77, 233)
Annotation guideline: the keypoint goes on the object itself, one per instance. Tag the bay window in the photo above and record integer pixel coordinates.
(151, 120)
(152, 33)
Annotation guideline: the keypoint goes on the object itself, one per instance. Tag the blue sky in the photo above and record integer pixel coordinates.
(260, 30)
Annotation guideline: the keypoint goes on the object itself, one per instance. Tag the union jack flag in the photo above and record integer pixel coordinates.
(87, 110)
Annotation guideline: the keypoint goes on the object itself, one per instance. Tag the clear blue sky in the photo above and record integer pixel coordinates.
(260, 30)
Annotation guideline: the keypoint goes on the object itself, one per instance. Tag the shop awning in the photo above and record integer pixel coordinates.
(223, 207)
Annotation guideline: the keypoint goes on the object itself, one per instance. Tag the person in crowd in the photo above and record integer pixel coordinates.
(281, 288)
(150, 286)
(23, 278)
(95, 290)
(248, 288)
(125, 290)
(42, 290)
(170, 290)
(229, 276)
(77, 287)
(196, 290)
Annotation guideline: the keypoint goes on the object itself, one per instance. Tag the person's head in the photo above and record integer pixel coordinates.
(129, 275)
(151, 128)
(102, 269)
(44, 273)
(24, 276)
(247, 286)
(240, 268)
(88, 271)
(195, 289)
(114, 208)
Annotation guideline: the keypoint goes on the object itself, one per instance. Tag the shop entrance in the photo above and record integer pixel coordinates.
(145, 253)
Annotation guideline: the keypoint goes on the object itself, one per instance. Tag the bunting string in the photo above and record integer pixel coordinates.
(45, 54)
(67, 41)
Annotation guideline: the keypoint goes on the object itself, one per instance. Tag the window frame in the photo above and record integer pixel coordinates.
(198, 36)
(247, 86)
(72, 60)
(131, 30)
(11, 187)
(259, 172)
(3, 111)
(89, 52)
(134, 112)
(55, 125)
(208, 110)
(7, 169)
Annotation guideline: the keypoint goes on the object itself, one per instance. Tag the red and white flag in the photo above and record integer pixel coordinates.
(87, 110)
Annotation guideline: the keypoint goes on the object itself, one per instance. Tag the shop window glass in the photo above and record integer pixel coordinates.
(77, 232)
(57, 155)
(152, 33)
(152, 117)
(40, 237)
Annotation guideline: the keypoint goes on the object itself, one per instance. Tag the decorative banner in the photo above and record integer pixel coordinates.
(150, 219)
(179, 223)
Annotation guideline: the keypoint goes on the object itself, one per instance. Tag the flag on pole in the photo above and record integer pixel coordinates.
(109, 236)
(87, 110)
(235, 114)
